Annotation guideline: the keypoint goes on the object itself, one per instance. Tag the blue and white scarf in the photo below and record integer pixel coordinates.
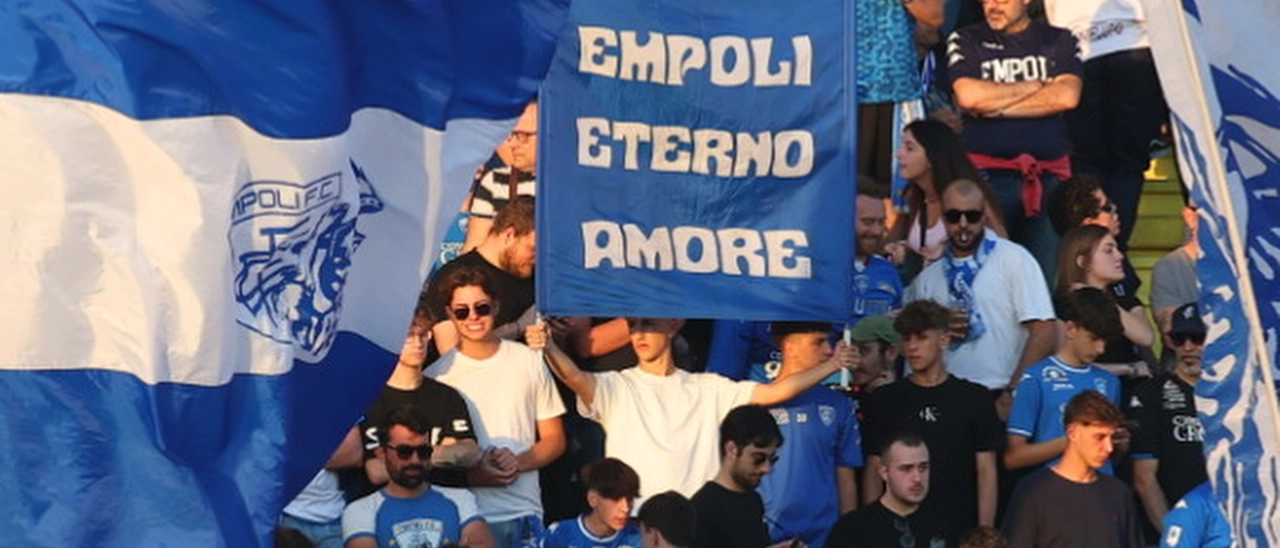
(960, 275)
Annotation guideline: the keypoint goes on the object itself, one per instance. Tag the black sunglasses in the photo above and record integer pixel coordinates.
(1109, 207)
(406, 451)
(463, 312)
(1180, 339)
(953, 216)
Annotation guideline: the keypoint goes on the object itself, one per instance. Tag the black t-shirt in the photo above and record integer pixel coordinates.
(445, 409)
(956, 419)
(1169, 431)
(729, 519)
(1049, 511)
(874, 526)
(1040, 52)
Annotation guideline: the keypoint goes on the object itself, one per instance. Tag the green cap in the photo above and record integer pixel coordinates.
(876, 328)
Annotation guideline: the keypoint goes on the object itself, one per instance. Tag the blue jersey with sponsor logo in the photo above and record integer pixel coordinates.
(1196, 521)
(820, 427)
(573, 533)
(1043, 393)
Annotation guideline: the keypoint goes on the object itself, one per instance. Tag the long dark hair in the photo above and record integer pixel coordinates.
(947, 158)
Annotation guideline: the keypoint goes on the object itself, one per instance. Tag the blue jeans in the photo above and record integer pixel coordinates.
(323, 535)
(521, 532)
(1034, 233)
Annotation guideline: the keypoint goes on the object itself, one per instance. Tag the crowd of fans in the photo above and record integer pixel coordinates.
(994, 384)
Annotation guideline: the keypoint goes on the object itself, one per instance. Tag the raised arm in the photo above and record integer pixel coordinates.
(562, 366)
(783, 389)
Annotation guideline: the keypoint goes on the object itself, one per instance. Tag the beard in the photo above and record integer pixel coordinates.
(410, 476)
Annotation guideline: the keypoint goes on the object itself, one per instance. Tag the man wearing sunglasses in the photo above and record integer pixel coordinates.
(409, 511)
(661, 419)
(1002, 313)
(1168, 452)
(729, 510)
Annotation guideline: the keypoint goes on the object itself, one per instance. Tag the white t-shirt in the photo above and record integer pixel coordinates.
(1009, 290)
(320, 502)
(666, 427)
(1101, 26)
(507, 394)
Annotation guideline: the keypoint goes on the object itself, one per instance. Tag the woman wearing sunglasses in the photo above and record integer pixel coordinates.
(513, 402)
(930, 158)
(1090, 257)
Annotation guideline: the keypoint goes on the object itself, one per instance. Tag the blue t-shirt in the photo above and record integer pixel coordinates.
(1196, 521)
(573, 533)
(1043, 393)
(431, 519)
(744, 350)
(886, 51)
(820, 427)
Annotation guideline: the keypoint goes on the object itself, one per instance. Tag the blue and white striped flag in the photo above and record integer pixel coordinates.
(217, 219)
(1221, 80)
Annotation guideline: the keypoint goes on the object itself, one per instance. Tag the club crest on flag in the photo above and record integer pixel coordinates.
(293, 245)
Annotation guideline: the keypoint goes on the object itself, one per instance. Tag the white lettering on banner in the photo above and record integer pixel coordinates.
(660, 58)
(677, 149)
(1021, 69)
(699, 250)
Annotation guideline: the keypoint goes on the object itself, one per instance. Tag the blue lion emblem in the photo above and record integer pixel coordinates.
(293, 245)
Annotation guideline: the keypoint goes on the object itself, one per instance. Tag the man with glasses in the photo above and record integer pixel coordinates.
(496, 187)
(506, 256)
(513, 402)
(1168, 446)
(409, 511)
(814, 482)
(1001, 311)
(729, 511)
(1014, 78)
(661, 419)
(898, 517)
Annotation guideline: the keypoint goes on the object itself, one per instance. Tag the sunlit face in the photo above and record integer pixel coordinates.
(1091, 442)
(522, 143)
(651, 337)
(1108, 216)
(912, 160)
(924, 350)
(1084, 344)
(870, 228)
(414, 350)
(477, 325)
(613, 513)
(520, 255)
(751, 463)
(964, 235)
(806, 350)
(1105, 263)
(905, 471)
(1006, 15)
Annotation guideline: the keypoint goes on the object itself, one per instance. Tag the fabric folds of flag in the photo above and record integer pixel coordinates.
(218, 216)
(1221, 88)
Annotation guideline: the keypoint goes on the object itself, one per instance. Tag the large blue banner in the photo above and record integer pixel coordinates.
(696, 160)
(219, 215)
(1222, 92)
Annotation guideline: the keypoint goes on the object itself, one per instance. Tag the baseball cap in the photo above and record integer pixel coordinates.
(876, 328)
(1187, 321)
